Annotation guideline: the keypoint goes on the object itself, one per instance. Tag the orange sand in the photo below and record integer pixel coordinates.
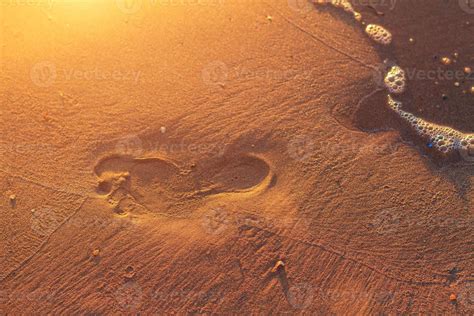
(164, 157)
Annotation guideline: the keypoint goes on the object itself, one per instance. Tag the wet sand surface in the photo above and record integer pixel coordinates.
(231, 157)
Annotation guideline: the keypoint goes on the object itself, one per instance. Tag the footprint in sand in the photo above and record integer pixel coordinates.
(237, 176)
(159, 186)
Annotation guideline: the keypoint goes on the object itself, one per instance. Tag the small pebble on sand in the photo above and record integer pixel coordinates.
(446, 61)
(129, 272)
(278, 265)
(12, 199)
(357, 16)
(453, 297)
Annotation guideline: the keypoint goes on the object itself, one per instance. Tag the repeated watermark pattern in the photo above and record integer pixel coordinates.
(466, 295)
(45, 220)
(129, 6)
(301, 148)
(301, 295)
(135, 6)
(468, 155)
(35, 296)
(217, 74)
(219, 219)
(130, 145)
(390, 4)
(379, 72)
(23, 148)
(216, 220)
(134, 145)
(28, 3)
(389, 221)
(129, 296)
(467, 6)
(45, 74)
(300, 6)
(386, 222)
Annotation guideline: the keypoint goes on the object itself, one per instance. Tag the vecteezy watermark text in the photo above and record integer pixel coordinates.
(45, 74)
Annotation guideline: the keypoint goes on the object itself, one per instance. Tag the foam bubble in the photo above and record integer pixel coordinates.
(379, 34)
(342, 4)
(394, 105)
(395, 80)
(442, 138)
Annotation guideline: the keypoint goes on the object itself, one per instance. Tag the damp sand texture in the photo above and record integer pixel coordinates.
(235, 158)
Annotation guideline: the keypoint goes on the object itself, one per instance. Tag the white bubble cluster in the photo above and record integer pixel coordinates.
(443, 138)
(376, 32)
(341, 4)
(379, 34)
(466, 145)
(395, 80)
(394, 105)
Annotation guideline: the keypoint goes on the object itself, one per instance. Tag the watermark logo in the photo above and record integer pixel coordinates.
(390, 4)
(129, 296)
(215, 74)
(43, 74)
(31, 3)
(129, 6)
(4, 297)
(300, 6)
(44, 221)
(466, 295)
(300, 295)
(301, 148)
(380, 71)
(467, 150)
(384, 297)
(386, 222)
(216, 220)
(130, 145)
(467, 6)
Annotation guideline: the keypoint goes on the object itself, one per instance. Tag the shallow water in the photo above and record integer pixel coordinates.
(444, 139)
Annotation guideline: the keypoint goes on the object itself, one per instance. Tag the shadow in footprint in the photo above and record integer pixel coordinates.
(230, 175)
(154, 183)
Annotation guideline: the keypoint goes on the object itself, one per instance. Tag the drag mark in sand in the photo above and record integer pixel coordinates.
(145, 185)
(320, 40)
(43, 243)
